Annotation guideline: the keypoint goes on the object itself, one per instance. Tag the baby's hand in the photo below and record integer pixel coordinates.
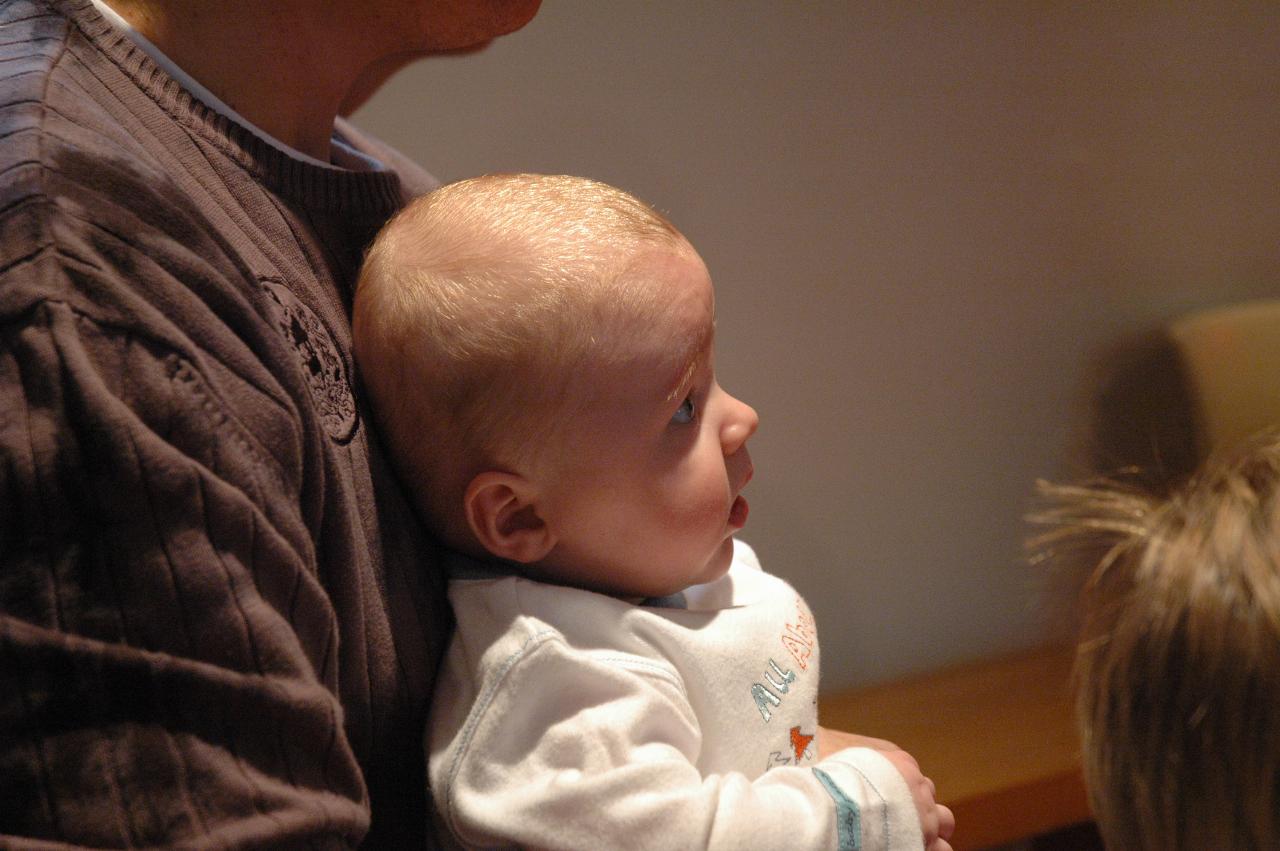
(936, 821)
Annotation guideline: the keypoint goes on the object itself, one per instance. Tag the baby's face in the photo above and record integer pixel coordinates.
(646, 498)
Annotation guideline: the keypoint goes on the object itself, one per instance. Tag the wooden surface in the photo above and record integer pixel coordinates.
(997, 737)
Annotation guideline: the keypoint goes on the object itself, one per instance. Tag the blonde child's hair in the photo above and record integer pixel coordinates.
(473, 309)
(1177, 676)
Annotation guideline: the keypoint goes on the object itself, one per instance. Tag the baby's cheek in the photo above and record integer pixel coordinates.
(701, 503)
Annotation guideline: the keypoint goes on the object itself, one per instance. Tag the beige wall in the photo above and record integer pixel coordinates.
(928, 224)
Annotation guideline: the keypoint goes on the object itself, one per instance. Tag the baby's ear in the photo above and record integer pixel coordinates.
(502, 512)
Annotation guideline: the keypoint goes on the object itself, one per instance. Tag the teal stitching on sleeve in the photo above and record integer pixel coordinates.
(848, 818)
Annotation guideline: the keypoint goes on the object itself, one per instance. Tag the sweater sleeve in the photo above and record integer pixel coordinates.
(167, 653)
(589, 750)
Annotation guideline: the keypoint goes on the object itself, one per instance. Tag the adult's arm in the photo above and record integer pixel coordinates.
(168, 663)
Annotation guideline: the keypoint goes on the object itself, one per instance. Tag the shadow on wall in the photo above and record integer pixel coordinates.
(1143, 416)
(1163, 401)
(1159, 402)
(1139, 425)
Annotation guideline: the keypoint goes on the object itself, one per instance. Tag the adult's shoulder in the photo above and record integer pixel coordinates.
(68, 83)
(85, 171)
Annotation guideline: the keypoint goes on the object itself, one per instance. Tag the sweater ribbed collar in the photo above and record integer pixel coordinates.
(316, 185)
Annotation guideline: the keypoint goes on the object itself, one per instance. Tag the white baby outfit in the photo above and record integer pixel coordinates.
(569, 719)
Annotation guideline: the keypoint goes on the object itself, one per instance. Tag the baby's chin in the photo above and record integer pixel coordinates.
(712, 569)
(718, 565)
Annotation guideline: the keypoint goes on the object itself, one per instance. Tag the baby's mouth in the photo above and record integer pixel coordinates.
(738, 512)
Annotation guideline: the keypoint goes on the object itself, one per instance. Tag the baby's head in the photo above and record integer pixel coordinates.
(1178, 665)
(538, 353)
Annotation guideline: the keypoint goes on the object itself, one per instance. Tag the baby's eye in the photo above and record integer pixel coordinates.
(686, 412)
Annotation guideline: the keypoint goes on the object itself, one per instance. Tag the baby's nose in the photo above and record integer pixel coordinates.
(740, 423)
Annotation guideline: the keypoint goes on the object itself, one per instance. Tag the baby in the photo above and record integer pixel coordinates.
(538, 350)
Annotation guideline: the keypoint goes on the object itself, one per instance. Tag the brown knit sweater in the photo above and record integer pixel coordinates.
(218, 619)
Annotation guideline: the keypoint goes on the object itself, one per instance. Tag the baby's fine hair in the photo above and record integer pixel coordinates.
(473, 307)
(1177, 676)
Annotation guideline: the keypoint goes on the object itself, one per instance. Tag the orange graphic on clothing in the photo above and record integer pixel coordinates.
(799, 743)
(801, 637)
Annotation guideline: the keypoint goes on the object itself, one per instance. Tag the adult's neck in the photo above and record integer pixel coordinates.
(287, 66)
